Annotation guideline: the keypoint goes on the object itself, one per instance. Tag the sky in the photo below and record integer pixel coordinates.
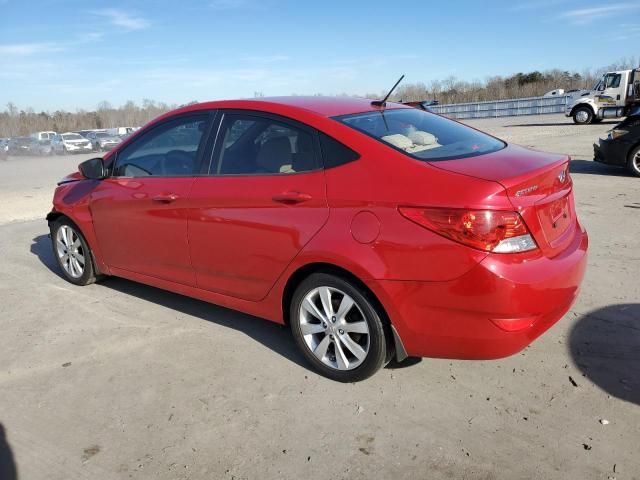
(74, 54)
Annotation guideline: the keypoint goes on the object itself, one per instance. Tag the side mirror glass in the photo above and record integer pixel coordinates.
(92, 169)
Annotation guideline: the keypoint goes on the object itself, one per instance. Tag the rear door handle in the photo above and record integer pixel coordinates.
(291, 198)
(167, 198)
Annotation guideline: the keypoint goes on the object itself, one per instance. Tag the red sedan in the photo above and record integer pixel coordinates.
(373, 231)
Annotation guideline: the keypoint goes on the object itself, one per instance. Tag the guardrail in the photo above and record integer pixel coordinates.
(503, 108)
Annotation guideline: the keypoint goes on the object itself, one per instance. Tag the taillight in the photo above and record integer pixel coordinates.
(489, 230)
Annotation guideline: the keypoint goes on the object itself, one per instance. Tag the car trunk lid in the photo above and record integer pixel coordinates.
(538, 185)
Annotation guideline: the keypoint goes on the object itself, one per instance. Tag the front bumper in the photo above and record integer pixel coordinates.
(79, 148)
(493, 311)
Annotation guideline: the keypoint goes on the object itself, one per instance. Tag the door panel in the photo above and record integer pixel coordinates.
(141, 225)
(139, 214)
(242, 239)
(265, 200)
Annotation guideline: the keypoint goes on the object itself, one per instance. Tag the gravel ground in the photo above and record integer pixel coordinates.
(119, 380)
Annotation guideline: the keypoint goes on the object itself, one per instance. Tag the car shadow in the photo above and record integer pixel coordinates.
(273, 336)
(590, 167)
(605, 345)
(8, 469)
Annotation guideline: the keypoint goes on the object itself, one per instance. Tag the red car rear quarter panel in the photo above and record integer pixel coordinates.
(379, 182)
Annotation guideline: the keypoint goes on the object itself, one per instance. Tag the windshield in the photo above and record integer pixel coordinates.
(102, 135)
(423, 135)
(72, 136)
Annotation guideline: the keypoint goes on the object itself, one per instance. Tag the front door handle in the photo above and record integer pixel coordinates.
(166, 198)
(291, 198)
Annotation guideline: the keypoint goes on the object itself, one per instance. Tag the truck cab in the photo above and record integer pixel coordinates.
(612, 97)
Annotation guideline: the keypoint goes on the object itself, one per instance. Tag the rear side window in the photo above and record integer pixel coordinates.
(254, 145)
(423, 135)
(335, 153)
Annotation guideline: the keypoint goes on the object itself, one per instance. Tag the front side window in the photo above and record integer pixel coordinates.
(423, 135)
(253, 145)
(613, 80)
(167, 150)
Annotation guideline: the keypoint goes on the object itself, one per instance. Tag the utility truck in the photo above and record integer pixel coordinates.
(615, 94)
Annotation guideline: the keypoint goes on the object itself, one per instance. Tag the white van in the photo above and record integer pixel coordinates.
(39, 136)
(119, 131)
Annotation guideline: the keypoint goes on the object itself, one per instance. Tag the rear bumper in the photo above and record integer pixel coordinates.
(493, 311)
(610, 153)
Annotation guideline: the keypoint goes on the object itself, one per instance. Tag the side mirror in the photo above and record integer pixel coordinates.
(93, 169)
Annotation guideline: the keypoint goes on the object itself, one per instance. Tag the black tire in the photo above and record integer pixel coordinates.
(581, 119)
(633, 162)
(377, 353)
(88, 275)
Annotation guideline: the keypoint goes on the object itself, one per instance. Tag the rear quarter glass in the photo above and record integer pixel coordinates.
(422, 135)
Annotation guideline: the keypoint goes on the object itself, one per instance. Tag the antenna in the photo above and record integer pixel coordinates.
(383, 103)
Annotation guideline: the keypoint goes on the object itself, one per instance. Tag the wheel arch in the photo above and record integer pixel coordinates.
(581, 105)
(297, 277)
(54, 216)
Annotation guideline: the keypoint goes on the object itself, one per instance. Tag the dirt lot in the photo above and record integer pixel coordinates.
(120, 380)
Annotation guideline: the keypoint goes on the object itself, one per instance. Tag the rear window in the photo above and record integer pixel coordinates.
(423, 135)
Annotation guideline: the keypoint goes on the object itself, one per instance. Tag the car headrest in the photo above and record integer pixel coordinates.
(274, 153)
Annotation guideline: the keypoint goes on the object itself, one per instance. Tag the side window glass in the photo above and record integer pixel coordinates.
(168, 150)
(613, 80)
(335, 153)
(251, 145)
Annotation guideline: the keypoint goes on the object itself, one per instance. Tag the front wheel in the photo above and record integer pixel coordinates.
(633, 163)
(583, 115)
(72, 253)
(338, 328)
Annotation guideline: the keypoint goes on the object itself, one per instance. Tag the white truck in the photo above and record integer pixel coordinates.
(615, 94)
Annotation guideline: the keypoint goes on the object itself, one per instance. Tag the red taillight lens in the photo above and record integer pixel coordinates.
(488, 230)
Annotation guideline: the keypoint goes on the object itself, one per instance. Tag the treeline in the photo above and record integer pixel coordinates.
(14, 122)
(520, 85)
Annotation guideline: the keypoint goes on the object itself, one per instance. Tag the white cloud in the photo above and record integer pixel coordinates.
(583, 16)
(123, 19)
(26, 49)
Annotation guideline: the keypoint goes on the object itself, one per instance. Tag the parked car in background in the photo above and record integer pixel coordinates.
(42, 147)
(4, 147)
(21, 146)
(87, 132)
(119, 131)
(70, 143)
(47, 135)
(103, 141)
(471, 252)
(621, 147)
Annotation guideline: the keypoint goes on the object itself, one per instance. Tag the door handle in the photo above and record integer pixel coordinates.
(291, 198)
(167, 198)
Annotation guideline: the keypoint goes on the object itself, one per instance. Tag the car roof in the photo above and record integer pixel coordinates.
(323, 106)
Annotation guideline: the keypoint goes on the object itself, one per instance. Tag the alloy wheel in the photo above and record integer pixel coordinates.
(334, 328)
(635, 162)
(70, 251)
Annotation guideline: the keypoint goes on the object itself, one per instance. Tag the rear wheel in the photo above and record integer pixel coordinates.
(72, 253)
(583, 115)
(337, 328)
(633, 163)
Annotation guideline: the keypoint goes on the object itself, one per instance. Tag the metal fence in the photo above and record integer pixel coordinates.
(503, 108)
